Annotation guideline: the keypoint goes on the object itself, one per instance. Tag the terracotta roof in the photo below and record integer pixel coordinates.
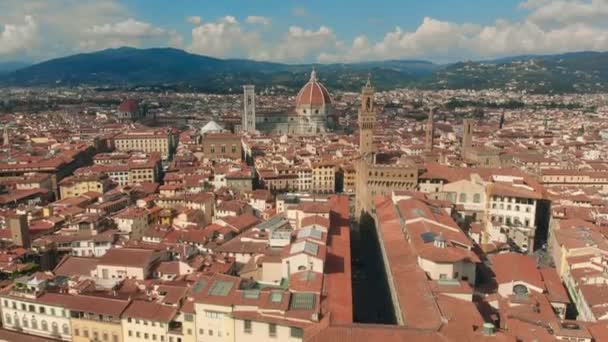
(150, 311)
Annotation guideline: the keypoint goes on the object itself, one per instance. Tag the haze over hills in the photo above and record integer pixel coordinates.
(130, 67)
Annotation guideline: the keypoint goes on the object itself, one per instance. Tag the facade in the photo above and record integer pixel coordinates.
(148, 141)
(311, 115)
(323, 178)
(221, 146)
(75, 186)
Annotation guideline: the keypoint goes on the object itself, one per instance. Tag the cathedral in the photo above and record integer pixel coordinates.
(310, 116)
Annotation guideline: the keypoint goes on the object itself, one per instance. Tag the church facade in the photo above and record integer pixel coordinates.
(311, 115)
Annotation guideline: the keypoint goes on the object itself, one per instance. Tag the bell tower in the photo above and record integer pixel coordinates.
(367, 119)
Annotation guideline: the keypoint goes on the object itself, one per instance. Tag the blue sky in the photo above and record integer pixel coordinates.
(305, 31)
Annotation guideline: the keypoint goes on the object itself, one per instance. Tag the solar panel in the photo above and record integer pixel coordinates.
(428, 237)
(276, 297)
(311, 248)
(309, 232)
(251, 294)
(220, 288)
(302, 301)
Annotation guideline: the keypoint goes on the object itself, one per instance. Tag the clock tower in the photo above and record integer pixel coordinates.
(367, 120)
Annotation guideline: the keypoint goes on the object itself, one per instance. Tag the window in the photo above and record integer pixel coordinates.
(85, 333)
(66, 329)
(7, 319)
(130, 333)
(297, 332)
(34, 324)
(188, 317)
(114, 338)
(247, 327)
(210, 332)
(42, 309)
(477, 198)
(272, 330)
(25, 322)
(31, 308)
(189, 331)
(105, 336)
(463, 197)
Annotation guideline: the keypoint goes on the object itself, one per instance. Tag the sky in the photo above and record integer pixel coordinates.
(305, 31)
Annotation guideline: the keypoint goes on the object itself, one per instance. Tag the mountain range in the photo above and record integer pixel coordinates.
(166, 67)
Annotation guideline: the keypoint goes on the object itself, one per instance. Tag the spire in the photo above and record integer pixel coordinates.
(313, 75)
(368, 84)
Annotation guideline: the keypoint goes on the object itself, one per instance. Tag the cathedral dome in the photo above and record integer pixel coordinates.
(313, 94)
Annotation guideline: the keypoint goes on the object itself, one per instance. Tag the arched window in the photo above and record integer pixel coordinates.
(25, 322)
(55, 328)
(44, 325)
(302, 268)
(66, 329)
(7, 318)
(463, 197)
(34, 323)
(476, 198)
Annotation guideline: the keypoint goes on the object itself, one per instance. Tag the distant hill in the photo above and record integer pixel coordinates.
(6, 67)
(570, 72)
(165, 67)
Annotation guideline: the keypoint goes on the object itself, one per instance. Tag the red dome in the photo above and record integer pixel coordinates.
(128, 106)
(313, 94)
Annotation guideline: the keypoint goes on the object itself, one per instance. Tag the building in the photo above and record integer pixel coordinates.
(248, 121)
(311, 115)
(80, 184)
(130, 110)
(221, 146)
(373, 176)
(323, 178)
(19, 228)
(160, 141)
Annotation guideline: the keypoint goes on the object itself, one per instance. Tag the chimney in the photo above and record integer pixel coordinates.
(488, 329)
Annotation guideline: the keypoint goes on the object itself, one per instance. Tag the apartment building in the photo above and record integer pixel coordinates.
(77, 185)
(160, 141)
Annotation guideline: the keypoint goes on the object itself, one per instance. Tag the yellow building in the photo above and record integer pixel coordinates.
(323, 177)
(75, 186)
(96, 318)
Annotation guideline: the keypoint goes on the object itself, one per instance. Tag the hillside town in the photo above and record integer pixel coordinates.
(401, 215)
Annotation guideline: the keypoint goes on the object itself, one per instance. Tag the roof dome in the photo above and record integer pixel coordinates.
(313, 94)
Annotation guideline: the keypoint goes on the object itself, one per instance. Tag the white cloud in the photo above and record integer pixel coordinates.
(194, 20)
(127, 28)
(15, 38)
(258, 20)
(223, 38)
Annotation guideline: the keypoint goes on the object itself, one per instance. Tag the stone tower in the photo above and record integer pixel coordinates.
(248, 121)
(429, 132)
(467, 136)
(20, 233)
(367, 120)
